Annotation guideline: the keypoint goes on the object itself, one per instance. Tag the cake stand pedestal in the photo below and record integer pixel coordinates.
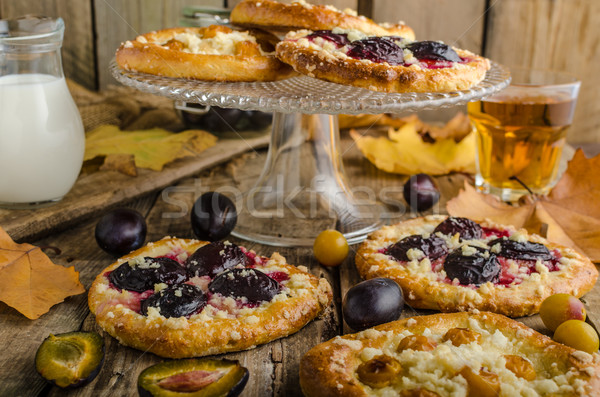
(303, 188)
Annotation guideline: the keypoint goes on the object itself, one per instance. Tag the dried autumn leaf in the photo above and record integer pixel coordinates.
(151, 148)
(571, 211)
(370, 120)
(30, 282)
(406, 152)
(123, 163)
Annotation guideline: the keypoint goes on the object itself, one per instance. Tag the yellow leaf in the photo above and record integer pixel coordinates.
(151, 148)
(123, 163)
(405, 152)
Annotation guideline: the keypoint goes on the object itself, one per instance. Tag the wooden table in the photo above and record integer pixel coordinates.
(273, 367)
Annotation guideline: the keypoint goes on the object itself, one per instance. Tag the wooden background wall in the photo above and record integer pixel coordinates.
(547, 34)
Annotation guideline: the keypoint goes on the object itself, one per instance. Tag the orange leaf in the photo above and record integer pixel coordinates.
(30, 282)
(571, 211)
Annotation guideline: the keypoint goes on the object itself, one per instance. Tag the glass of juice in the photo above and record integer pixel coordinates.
(521, 132)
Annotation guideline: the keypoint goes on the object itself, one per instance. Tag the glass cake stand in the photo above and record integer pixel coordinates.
(303, 189)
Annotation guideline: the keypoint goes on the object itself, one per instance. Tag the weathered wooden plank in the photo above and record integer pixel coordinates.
(274, 366)
(100, 190)
(459, 23)
(78, 44)
(79, 249)
(553, 34)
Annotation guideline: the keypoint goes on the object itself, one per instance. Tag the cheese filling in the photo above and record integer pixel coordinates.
(438, 370)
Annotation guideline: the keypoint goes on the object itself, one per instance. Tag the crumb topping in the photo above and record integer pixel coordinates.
(438, 370)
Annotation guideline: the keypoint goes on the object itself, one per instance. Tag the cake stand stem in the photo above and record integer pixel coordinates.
(302, 189)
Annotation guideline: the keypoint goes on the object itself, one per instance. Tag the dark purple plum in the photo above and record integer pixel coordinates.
(245, 283)
(213, 216)
(220, 119)
(377, 49)
(138, 277)
(517, 250)
(477, 268)
(259, 119)
(372, 302)
(433, 247)
(467, 229)
(340, 39)
(192, 119)
(214, 258)
(421, 192)
(121, 231)
(433, 50)
(176, 301)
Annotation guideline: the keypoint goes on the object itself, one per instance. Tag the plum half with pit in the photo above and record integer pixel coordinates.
(193, 378)
(176, 301)
(142, 273)
(214, 258)
(251, 284)
(70, 360)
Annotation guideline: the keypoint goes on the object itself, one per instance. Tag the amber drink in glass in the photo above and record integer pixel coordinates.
(521, 132)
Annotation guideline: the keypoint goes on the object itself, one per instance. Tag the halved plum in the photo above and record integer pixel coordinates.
(251, 284)
(70, 360)
(477, 268)
(433, 50)
(521, 250)
(193, 378)
(377, 49)
(141, 276)
(466, 228)
(340, 39)
(214, 258)
(433, 247)
(176, 301)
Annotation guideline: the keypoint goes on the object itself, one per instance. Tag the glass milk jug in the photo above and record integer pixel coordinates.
(42, 140)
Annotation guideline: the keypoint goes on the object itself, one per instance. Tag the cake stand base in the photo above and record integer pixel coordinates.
(302, 189)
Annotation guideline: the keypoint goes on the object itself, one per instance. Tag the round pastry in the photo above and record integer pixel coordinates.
(457, 354)
(214, 53)
(276, 16)
(188, 298)
(381, 63)
(455, 264)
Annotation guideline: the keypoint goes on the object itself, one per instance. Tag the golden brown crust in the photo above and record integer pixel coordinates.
(160, 54)
(304, 298)
(273, 15)
(577, 276)
(329, 369)
(319, 63)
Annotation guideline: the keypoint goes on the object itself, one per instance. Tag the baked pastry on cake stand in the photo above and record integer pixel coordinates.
(303, 188)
